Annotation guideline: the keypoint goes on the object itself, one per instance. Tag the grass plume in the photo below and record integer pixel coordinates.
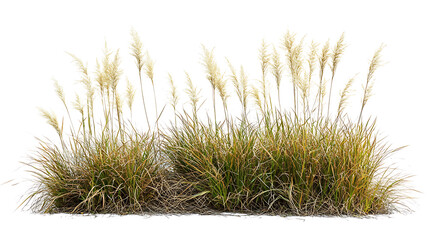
(277, 70)
(213, 75)
(323, 60)
(337, 52)
(373, 66)
(174, 98)
(264, 58)
(193, 94)
(137, 53)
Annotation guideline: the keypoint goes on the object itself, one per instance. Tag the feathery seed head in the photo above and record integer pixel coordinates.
(149, 67)
(373, 66)
(304, 85)
(130, 94)
(100, 77)
(221, 87)
(264, 57)
(324, 56)
(118, 102)
(323, 87)
(137, 50)
(113, 70)
(256, 96)
(52, 120)
(174, 98)
(345, 93)
(212, 69)
(337, 52)
(77, 104)
(312, 59)
(60, 91)
(86, 80)
(295, 62)
(192, 92)
(289, 41)
(276, 67)
(244, 86)
(375, 61)
(236, 81)
(83, 68)
(105, 69)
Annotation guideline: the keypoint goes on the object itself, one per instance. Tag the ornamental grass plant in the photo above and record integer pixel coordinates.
(311, 159)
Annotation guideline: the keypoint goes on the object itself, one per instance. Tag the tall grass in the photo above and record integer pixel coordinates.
(306, 160)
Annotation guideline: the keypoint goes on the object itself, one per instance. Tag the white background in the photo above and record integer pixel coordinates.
(34, 36)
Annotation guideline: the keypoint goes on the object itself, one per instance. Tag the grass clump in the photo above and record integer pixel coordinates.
(320, 167)
(221, 165)
(303, 160)
(106, 175)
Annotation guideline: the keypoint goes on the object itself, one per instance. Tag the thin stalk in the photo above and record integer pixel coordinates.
(330, 91)
(118, 113)
(89, 116)
(294, 98)
(144, 104)
(156, 105)
(214, 104)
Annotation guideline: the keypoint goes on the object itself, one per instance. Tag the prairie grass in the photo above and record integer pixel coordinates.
(306, 160)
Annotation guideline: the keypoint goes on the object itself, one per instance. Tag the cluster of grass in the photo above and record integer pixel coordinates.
(310, 159)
